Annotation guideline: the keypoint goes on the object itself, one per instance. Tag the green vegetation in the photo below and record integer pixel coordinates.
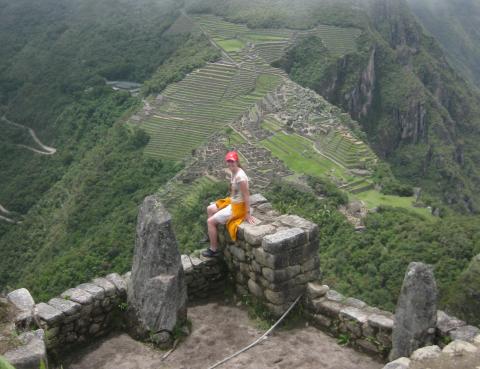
(371, 265)
(231, 45)
(374, 199)
(206, 101)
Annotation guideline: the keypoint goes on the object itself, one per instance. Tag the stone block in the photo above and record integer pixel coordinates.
(459, 347)
(322, 320)
(78, 295)
(97, 292)
(277, 298)
(255, 289)
(381, 321)
(284, 240)
(446, 323)
(108, 287)
(237, 253)
(333, 295)
(355, 314)
(86, 310)
(254, 234)
(257, 268)
(465, 333)
(269, 260)
(367, 346)
(327, 307)
(400, 363)
(94, 328)
(385, 338)
(426, 353)
(257, 199)
(22, 299)
(350, 301)
(118, 282)
(30, 353)
(297, 222)
(315, 290)
(66, 306)
(48, 313)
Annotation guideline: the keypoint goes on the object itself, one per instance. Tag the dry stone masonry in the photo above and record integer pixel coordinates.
(274, 259)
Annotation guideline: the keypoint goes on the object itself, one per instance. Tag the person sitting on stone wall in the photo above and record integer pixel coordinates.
(232, 210)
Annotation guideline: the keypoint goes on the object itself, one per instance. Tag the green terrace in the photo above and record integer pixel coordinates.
(300, 155)
(339, 41)
(348, 151)
(203, 103)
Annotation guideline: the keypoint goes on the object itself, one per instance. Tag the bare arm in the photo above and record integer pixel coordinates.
(246, 198)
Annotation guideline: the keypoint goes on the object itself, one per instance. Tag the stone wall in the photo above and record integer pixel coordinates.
(274, 259)
(364, 327)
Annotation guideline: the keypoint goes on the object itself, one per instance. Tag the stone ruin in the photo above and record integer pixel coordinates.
(274, 262)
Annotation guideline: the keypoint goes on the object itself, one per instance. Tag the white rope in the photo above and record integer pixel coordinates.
(263, 337)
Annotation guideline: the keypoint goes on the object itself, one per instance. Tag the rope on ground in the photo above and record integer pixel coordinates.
(263, 337)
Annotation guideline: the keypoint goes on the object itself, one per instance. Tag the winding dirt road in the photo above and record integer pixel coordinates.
(47, 150)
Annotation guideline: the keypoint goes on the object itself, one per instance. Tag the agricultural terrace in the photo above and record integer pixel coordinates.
(203, 103)
(301, 155)
(339, 41)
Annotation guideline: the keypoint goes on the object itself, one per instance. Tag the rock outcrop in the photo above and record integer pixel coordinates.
(416, 312)
(157, 293)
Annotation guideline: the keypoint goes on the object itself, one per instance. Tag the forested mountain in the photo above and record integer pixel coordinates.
(76, 207)
(454, 23)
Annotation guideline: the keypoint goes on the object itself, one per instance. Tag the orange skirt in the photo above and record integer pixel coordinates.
(239, 212)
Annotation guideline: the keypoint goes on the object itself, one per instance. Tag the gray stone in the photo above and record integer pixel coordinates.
(322, 320)
(97, 292)
(86, 310)
(78, 295)
(237, 252)
(297, 222)
(400, 363)
(333, 295)
(381, 321)
(257, 199)
(353, 313)
(284, 240)
(329, 308)
(31, 353)
(310, 264)
(446, 323)
(269, 260)
(48, 313)
(22, 299)
(255, 289)
(108, 287)
(94, 328)
(118, 282)
(254, 234)
(315, 290)
(425, 353)
(465, 333)
(162, 339)
(367, 346)
(66, 306)
(350, 301)
(416, 312)
(459, 347)
(189, 263)
(157, 296)
(277, 298)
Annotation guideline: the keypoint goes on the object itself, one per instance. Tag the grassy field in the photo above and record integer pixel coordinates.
(231, 45)
(374, 199)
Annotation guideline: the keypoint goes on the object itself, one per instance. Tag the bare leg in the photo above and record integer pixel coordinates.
(211, 209)
(212, 233)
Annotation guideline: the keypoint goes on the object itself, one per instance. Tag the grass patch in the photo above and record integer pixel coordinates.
(375, 199)
(298, 154)
(231, 45)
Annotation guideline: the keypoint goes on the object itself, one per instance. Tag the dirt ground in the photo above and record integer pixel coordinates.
(219, 330)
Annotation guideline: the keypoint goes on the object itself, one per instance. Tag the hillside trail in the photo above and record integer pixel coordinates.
(6, 212)
(218, 330)
(47, 150)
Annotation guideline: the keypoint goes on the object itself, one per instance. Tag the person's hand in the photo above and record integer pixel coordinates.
(250, 219)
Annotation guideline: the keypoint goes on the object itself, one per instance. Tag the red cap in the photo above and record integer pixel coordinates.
(231, 155)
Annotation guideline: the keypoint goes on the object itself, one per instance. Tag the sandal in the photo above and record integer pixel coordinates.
(209, 253)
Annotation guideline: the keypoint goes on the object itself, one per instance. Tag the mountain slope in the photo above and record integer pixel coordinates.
(455, 24)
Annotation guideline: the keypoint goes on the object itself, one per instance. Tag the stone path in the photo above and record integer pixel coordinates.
(47, 150)
(219, 330)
